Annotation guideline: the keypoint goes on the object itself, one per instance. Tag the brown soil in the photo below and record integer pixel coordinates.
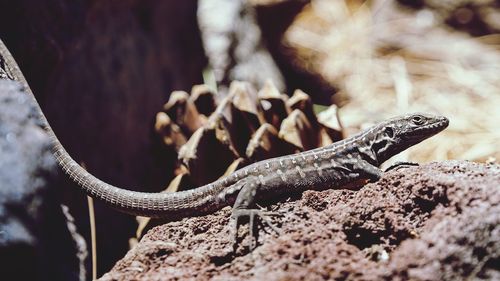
(439, 221)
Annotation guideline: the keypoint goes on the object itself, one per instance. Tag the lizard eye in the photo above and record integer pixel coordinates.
(417, 120)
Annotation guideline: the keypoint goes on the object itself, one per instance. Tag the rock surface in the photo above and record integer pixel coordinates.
(35, 243)
(435, 222)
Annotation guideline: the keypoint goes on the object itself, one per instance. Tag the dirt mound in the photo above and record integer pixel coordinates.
(434, 222)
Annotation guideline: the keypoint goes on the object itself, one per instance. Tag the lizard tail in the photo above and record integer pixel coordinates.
(171, 205)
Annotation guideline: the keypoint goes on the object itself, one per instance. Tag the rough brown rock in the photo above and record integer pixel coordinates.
(435, 222)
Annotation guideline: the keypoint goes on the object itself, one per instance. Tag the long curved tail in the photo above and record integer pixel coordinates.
(177, 204)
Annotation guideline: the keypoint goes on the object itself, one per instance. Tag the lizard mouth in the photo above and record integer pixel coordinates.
(433, 128)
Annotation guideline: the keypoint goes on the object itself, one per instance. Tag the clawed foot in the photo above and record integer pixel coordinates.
(238, 214)
(399, 165)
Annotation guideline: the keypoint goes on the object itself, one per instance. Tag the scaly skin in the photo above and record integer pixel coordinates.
(332, 166)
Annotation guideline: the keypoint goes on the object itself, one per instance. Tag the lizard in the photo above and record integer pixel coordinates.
(333, 166)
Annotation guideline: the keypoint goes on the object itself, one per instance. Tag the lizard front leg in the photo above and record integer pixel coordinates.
(245, 207)
(367, 170)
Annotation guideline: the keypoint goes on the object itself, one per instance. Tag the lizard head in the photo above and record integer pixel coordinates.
(398, 134)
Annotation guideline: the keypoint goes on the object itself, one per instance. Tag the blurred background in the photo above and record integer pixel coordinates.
(103, 70)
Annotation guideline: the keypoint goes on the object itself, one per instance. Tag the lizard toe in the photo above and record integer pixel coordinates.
(251, 214)
(399, 165)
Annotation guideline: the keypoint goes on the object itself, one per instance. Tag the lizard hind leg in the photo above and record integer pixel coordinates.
(245, 207)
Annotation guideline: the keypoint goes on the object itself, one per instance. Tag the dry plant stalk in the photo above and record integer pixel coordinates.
(387, 59)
